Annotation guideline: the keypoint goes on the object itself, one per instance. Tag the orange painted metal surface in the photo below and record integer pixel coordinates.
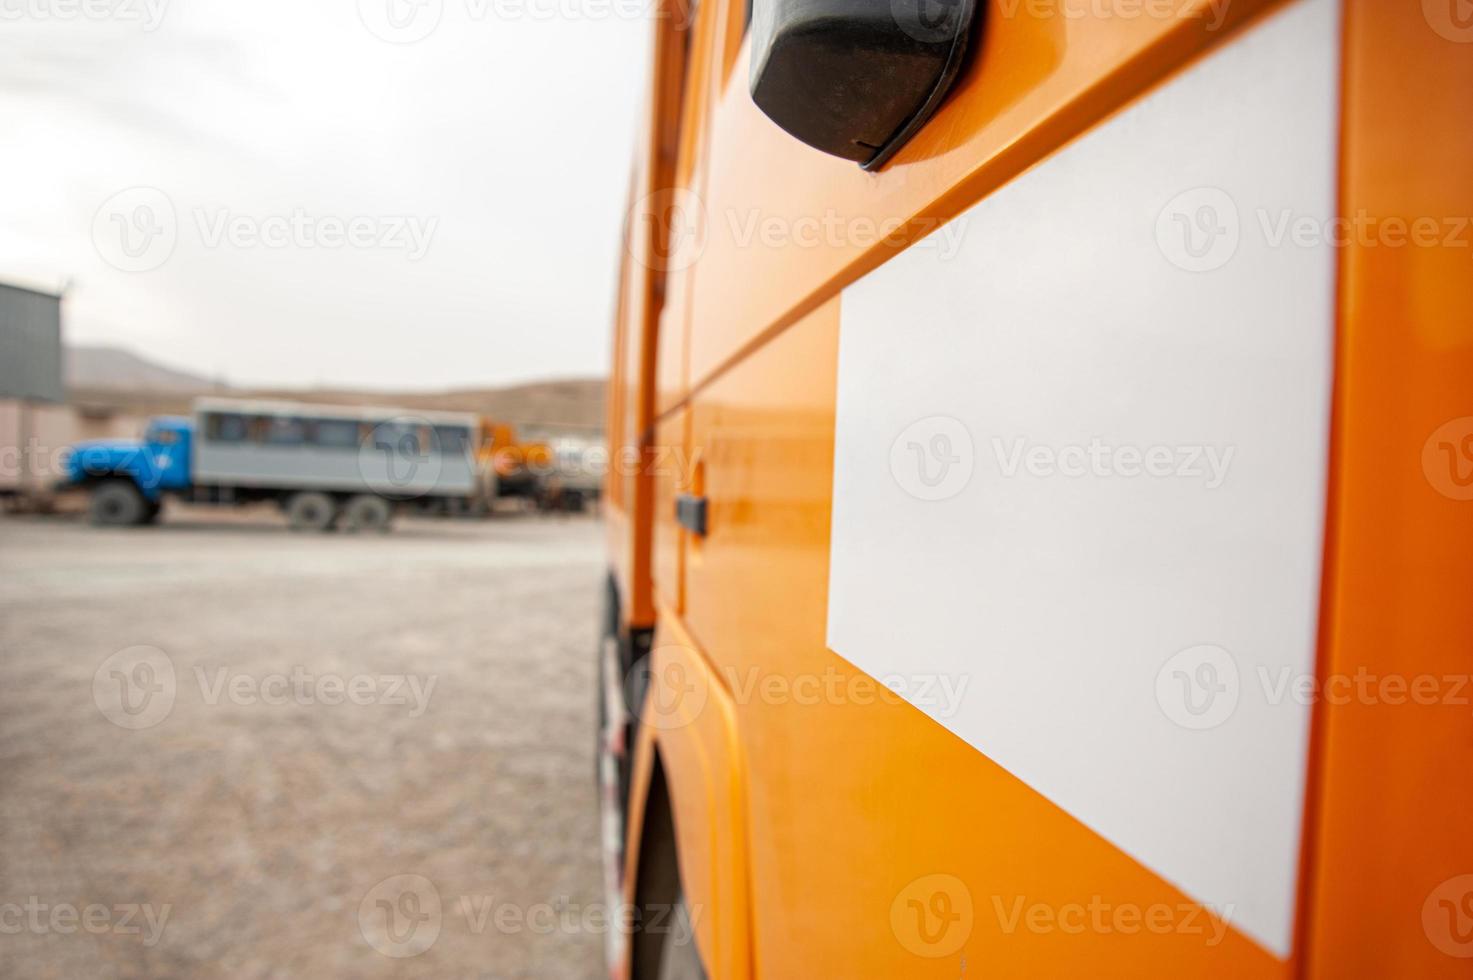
(633, 382)
(692, 722)
(1390, 888)
(787, 227)
(671, 470)
(871, 842)
(859, 804)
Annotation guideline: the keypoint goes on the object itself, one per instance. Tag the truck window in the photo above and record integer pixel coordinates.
(452, 439)
(398, 437)
(226, 427)
(282, 430)
(335, 433)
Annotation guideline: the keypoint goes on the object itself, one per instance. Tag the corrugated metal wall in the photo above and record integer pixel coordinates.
(30, 345)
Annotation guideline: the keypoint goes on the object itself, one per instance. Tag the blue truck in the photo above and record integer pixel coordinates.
(325, 466)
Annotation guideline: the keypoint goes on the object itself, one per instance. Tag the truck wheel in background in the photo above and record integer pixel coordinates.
(366, 512)
(118, 503)
(310, 510)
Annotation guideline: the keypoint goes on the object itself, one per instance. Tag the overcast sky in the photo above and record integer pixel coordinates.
(398, 193)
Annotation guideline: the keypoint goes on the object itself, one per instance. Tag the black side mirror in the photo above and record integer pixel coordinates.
(856, 78)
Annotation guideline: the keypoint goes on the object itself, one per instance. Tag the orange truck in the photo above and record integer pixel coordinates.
(1040, 510)
(515, 463)
(564, 476)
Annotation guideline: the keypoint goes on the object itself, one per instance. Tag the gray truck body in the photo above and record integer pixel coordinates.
(284, 445)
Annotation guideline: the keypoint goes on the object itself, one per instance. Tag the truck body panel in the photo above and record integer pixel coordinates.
(882, 838)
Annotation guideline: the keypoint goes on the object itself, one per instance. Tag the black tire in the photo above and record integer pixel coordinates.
(310, 510)
(367, 512)
(118, 503)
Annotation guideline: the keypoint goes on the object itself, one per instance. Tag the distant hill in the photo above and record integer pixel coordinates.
(111, 378)
(558, 405)
(114, 367)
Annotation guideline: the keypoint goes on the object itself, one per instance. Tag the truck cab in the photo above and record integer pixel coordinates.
(854, 305)
(128, 477)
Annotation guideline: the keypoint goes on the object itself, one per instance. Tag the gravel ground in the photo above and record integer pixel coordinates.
(224, 746)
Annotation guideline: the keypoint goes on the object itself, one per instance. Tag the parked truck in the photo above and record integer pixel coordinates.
(572, 479)
(325, 466)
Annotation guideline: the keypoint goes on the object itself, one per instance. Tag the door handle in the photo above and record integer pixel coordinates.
(690, 513)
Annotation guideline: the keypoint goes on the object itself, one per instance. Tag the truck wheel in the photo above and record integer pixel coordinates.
(117, 503)
(366, 512)
(310, 511)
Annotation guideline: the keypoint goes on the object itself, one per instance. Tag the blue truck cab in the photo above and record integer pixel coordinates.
(128, 477)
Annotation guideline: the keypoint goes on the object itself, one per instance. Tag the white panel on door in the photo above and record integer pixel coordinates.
(1081, 464)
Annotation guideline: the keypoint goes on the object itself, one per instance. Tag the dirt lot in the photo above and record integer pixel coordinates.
(222, 743)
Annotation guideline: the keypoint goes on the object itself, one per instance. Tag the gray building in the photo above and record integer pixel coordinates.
(30, 345)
